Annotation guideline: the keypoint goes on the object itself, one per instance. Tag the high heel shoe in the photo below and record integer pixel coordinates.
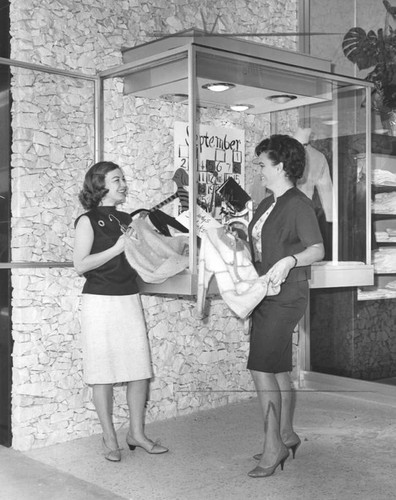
(293, 444)
(268, 471)
(111, 455)
(154, 449)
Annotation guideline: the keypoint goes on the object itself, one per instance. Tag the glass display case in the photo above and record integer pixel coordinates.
(201, 103)
(182, 116)
(198, 105)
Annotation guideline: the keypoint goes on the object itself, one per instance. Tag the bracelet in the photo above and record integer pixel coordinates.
(295, 260)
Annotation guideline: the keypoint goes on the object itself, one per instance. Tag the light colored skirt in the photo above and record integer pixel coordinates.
(114, 339)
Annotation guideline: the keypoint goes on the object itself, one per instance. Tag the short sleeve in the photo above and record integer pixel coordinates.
(307, 225)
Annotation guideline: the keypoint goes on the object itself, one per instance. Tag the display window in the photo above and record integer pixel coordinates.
(182, 116)
(200, 104)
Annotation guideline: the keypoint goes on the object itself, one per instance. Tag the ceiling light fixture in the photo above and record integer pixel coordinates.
(329, 121)
(241, 107)
(174, 97)
(218, 87)
(281, 98)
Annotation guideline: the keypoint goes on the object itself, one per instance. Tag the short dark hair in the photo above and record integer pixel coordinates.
(285, 149)
(94, 189)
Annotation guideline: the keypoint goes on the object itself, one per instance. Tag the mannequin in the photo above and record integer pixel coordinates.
(316, 174)
(303, 135)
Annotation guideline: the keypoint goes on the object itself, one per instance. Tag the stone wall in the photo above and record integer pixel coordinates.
(352, 338)
(196, 364)
(88, 35)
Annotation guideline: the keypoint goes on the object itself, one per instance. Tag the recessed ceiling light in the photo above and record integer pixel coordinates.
(330, 121)
(174, 97)
(281, 98)
(241, 107)
(218, 87)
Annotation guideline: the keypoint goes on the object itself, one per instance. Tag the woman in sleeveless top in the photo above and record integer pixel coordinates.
(114, 337)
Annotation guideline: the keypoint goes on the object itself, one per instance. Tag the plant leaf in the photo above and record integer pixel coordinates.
(361, 48)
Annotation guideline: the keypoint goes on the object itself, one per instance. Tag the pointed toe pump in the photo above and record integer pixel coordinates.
(293, 444)
(111, 455)
(153, 448)
(268, 471)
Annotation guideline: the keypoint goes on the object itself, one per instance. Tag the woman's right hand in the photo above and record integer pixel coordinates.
(119, 246)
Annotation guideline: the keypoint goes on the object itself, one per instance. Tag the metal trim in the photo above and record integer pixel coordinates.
(287, 66)
(368, 176)
(46, 69)
(304, 25)
(33, 265)
(98, 119)
(145, 63)
(192, 185)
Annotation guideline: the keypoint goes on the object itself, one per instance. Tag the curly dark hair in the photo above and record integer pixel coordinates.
(94, 189)
(285, 149)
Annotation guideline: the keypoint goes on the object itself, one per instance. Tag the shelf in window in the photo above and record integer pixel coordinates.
(378, 216)
(380, 243)
(376, 294)
(183, 283)
(383, 188)
(329, 274)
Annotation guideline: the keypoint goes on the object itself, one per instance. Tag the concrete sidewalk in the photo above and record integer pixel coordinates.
(348, 452)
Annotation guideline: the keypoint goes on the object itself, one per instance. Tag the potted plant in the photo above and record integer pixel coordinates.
(377, 51)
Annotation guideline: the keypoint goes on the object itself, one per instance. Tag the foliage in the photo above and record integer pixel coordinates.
(377, 51)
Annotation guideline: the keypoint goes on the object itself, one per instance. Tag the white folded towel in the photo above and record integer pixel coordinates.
(225, 256)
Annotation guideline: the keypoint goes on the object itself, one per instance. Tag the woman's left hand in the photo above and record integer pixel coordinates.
(279, 271)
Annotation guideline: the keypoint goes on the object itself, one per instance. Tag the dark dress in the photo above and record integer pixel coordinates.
(290, 227)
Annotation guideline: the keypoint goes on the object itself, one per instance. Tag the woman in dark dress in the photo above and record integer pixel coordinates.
(285, 240)
(114, 337)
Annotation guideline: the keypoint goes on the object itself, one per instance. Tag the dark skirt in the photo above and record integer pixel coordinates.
(273, 323)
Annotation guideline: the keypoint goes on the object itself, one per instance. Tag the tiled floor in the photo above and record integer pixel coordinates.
(348, 452)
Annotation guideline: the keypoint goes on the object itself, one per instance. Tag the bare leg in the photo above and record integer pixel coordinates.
(136, 399)
(287, 407)
(103, 401)
(269, 397)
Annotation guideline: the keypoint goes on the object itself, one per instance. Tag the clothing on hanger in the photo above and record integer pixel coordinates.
(155, 257)
(161, 220)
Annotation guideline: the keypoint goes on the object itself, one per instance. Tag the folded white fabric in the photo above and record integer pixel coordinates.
(155, 257)
(383, 177)
(384, 203)
(384, 260)
(224, 256)
(391, 285)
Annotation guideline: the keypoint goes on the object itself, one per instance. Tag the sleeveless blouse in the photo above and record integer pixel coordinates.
(115, 277)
